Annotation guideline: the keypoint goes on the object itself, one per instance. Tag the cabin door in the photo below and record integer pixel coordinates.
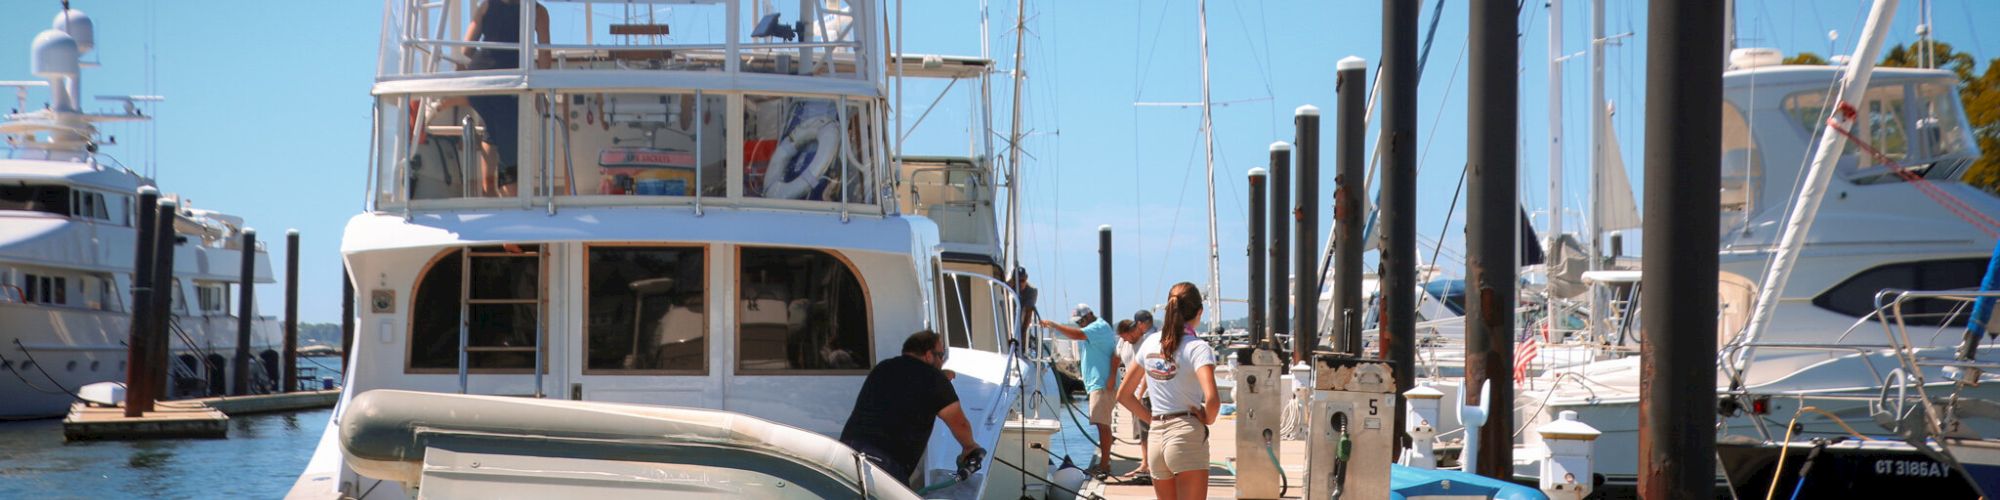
(648, 332)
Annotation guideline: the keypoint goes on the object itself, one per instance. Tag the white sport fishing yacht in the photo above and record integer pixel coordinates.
(655, 252)
(67, 243)
(1920, 228)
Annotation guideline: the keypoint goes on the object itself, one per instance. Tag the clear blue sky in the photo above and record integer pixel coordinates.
(267, 111)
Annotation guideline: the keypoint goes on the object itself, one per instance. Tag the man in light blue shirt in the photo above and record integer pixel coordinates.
(1099, 345)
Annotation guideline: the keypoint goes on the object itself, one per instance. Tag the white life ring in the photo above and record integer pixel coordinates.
(784, 182)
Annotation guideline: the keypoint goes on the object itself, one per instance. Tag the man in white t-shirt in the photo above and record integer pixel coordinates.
(1128, 350)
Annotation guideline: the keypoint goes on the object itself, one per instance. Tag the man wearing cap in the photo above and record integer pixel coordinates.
(1098, 343)
(1128, 350)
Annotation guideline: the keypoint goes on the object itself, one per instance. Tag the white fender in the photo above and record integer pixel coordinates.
(820, 130)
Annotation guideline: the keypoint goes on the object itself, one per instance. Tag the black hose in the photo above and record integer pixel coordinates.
(1086, 435)
(1044, 480)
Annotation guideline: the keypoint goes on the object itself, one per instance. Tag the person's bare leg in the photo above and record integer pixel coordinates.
(1164, 489)
(489, 170)
(1191, 485)
(1104, 440)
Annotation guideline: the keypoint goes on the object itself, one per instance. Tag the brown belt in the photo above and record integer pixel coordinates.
(1165, 416)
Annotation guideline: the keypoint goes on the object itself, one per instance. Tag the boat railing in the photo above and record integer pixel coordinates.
(1000, 307)
(428, 38)
(656, 147)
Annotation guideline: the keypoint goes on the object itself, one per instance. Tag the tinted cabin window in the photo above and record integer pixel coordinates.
(503, 307)
(800, 310)
(1856, 296)
(647, 309)
(50, 199)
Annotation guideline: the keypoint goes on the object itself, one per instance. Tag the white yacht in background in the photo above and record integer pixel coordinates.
(66, 250)
(629, 263)
(1878, 230)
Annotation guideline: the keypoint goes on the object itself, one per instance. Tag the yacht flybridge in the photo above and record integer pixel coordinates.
(66, 250)
(674, 231)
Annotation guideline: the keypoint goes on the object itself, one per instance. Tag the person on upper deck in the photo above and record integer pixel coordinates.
(1099, 340)
(1026, 294)
(901, 399)
(499, 21)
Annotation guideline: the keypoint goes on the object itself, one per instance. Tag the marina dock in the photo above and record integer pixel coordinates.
(1221, 449)
(191, 418)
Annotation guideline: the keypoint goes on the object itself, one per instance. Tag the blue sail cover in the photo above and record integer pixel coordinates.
(1410, 483)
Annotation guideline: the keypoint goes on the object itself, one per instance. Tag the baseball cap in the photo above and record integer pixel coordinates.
(1081, 311)
(1143, 316)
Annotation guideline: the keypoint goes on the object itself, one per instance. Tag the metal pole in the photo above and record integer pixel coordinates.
(1555, 231)
(289, 372)
(1351, 163)
(1280, 234)
(1259, 300)
(1677, 381)
(1594, 219)
(1013, 143)
(1104, 274)
(346, 320)
(246, 300)
(159, 327)
(1208, 153)
(1305, 244)
(138, 399)
(1399, 197)
(1493, 94)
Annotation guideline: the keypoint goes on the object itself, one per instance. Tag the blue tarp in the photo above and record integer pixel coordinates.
(1409, 483)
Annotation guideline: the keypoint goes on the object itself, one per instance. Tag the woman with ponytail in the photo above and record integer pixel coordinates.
(1178, 370)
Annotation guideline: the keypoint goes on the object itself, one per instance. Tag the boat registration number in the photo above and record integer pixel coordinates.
(1909, 468)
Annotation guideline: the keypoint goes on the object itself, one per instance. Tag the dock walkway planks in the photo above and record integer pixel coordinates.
(188, 418)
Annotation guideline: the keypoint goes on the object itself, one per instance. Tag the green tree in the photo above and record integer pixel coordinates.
(1806, 59)
(1978, 92)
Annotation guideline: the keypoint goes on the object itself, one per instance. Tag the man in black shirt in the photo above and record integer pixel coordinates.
(901, 399)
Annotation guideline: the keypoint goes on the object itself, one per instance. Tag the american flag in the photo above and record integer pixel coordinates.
(1525, 351)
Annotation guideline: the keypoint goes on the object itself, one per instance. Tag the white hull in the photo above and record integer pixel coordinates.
(76, 347)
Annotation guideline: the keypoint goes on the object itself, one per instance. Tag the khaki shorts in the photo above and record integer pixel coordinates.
(1177, 444)
(1101, 402)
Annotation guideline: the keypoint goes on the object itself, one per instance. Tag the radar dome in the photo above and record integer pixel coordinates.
(79, 26)
(54, 55)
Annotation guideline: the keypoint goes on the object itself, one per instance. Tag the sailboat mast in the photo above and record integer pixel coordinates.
(1208, 152)
(1555, 143)
(1594, 219)
(1014, 142)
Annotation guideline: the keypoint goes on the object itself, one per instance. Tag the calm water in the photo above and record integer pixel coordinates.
(261, 458)
(1077, 439)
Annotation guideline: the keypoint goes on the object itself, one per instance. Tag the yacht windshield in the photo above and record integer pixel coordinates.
(1916, 125)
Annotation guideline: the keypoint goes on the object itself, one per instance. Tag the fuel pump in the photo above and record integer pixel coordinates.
(1260, 400)
(1352, 436)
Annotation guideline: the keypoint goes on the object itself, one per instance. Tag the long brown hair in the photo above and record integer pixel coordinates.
(1183, 306)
